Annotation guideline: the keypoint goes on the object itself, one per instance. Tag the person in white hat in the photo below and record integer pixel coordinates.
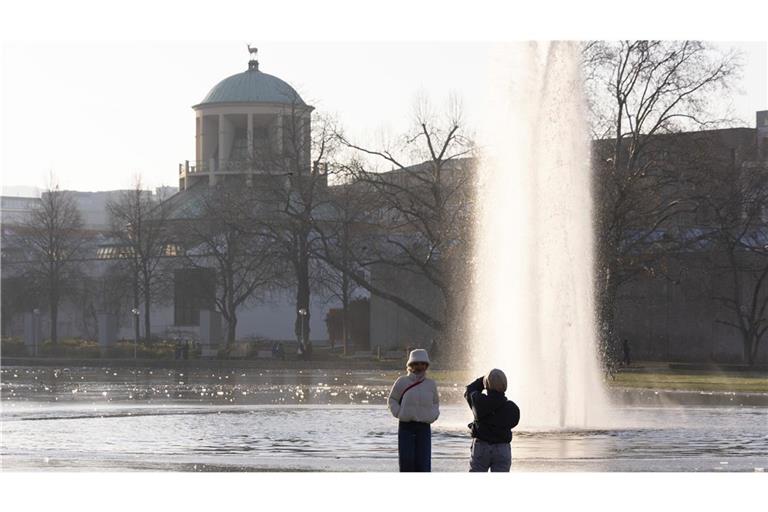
(415, 402)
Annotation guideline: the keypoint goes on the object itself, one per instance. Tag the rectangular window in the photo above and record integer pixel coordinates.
(193, 290)
(172, 250)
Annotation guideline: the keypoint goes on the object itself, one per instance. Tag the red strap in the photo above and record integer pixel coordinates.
(406, 389)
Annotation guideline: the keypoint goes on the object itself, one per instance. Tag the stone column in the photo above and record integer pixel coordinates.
(279, 136)
(198, 138)
(221, 141)
(249, 147)
(202, 156)
(211, 171)
(303, 156)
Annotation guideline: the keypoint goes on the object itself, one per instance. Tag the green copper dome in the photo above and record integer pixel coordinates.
(252, 86)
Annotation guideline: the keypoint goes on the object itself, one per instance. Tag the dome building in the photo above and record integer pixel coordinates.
(252, 129)
(250, 123)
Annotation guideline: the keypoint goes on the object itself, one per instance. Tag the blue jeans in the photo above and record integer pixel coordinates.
(485, 456)
(414, 444)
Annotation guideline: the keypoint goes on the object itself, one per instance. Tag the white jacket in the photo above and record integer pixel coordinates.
(421, 403)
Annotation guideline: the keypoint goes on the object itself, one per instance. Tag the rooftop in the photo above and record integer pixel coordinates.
(252, 86)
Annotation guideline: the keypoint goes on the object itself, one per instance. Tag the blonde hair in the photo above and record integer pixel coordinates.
(418, 355)
(409, 367)
(495, 380)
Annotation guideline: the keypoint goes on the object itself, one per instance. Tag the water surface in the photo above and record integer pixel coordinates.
(252, 420)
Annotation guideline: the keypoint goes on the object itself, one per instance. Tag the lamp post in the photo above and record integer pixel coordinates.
(303, 313)
(35, 329)
(136, 314)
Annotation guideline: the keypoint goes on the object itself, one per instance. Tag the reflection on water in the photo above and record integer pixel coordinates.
(122, 419)
(203, 386)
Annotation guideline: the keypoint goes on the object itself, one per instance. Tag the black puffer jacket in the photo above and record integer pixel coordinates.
(495, 416)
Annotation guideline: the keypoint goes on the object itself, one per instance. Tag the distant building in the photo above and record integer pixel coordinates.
(675, 308)
(92, 206)
(664, 318)
(241, 126)
(15, 209)
(762, 133)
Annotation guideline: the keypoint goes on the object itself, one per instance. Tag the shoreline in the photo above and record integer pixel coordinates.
(638, 397)
(631, 395)
(207, 364)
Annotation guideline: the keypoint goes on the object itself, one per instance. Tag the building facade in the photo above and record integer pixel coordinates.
(252, 130)
(671, 309)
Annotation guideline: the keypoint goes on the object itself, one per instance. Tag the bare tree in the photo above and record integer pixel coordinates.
(108, 292)
(639, 91)
(228, 237)
(52, 239)
(740, 252)
(298, 167)
(419, 221)
(338, 235)
(139, 224)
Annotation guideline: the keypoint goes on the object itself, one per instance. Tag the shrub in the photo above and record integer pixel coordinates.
(124, 349)
(71, 348)
(12, 347)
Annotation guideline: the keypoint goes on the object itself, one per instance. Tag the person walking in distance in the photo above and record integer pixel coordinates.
(415, 402)
(625, 349)
(494, 418)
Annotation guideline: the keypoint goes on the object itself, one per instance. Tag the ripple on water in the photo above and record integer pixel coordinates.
(153, 420)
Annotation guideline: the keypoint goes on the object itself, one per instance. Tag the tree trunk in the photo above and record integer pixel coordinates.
(136, 299)
(231, 329)
(606, 313)
(54, 315)
(53, 302)
(147, 311)
(231, 315)
(302, 321)
(302, 297)
(749, 340)
(753, 352)
(345, 312)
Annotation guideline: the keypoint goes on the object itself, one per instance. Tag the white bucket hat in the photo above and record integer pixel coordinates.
(418, 356)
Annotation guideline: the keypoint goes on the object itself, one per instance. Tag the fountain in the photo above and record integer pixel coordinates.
(533, 297)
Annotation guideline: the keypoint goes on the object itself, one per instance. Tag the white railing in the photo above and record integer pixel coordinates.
(227, 166)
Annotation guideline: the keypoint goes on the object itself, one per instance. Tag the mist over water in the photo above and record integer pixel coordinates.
(533, 311)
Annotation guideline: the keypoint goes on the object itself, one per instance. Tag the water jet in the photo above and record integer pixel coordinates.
(533, 311)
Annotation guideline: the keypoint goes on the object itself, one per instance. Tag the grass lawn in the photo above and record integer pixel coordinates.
(653, 377)
(742, 382)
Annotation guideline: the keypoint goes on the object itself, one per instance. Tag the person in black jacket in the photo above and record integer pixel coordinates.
(495, 417)
(625, 349)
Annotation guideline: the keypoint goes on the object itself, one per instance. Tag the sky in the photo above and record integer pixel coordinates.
(97, 114)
